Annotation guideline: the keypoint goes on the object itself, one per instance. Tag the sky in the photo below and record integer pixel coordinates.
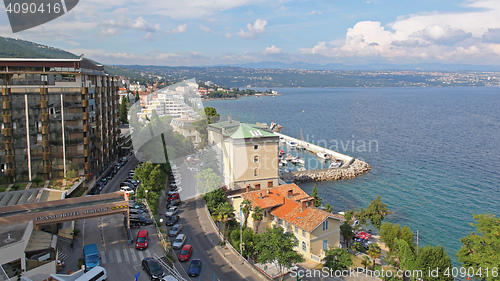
(219, 32)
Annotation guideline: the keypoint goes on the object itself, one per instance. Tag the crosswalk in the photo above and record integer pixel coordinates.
(124, 255)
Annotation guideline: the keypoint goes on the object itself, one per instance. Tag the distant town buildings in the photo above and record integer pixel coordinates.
(248, 154)
(58, 115)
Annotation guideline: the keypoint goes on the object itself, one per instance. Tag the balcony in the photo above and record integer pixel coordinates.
(85, 116)
(85, 103)
(46, 156)
(46, 143)
(7, 118)
(88, 166)
(45, 117)
(86, 140)
(44, 104)
(86, 128)
(45, 130)
(7, 132)
(9, 158)
(6, 105)
(9, 145)
(86, 152)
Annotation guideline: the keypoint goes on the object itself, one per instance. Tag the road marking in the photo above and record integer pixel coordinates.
(127, 260)
(103, 257)
(141, 256)
(148, 253)
(118, 256)
(111, 259)
(132, 253)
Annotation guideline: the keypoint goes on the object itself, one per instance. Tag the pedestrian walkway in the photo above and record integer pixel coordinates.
(128, 255)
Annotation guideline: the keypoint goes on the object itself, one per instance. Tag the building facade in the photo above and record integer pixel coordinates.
(291, 208)
(58, 115)
(248, 154)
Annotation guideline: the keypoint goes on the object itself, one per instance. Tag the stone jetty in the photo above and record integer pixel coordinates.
(356, 168)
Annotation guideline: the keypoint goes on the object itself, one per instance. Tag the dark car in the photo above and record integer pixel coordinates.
(194, 268)
(172, 220)
(138, 212)
(136, 205)
(175, 230)
(140, 220)
(153, 268)
(95, 190)
(104, 181)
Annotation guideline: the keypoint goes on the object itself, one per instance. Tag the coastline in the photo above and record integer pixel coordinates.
(242, 96)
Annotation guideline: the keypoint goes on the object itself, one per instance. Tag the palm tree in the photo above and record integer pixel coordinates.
(246, 207)
(226, 212)
(374, 252)
(257, 216)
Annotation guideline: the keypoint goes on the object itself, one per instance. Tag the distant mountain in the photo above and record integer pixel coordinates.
(371, 67)
(17, 48)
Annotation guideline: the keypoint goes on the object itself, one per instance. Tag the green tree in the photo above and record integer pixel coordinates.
(481, 249)
(249, 239)
(208, 181)
(338, 258)
(137, 98)
(354, 247)
(366, 261)
(375, 212)
(123, 111)
(212, 115)
(214, 199)
(374, 252)
(328, 208)
(276, 246)
(257, 216)
(317, 200)
(434, 258)
(246, 207)
(346, 232)
(224, 212)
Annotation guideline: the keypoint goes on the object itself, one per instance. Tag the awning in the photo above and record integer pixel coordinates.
(363, 235)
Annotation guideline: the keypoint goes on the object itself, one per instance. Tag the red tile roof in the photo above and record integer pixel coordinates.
(274, 196)
(307, 218)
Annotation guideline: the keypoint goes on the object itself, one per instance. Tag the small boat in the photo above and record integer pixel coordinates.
(284, 162)
(323, 155)
(282, 140)
(292, 144)
(300, 147)
(335, 164)
(299, 161)
(282, 152)
(289, 157)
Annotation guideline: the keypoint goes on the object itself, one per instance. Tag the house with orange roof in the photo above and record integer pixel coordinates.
(291, 208)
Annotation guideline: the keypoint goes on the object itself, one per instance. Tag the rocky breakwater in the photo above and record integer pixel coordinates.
(356, 168)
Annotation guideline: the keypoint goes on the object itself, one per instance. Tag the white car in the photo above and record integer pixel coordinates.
(127, 190)
(172, 211)
(179, 241)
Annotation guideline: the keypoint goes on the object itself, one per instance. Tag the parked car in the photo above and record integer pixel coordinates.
(127, 184)
(142, 240)
(179, 241)
(194, 268)
(136, 205)
(174, 202)
(138, 212)
(172, 211)
(95, 190)
(140, 220)
(152, 268)
(173, 196)
(175, 230)
(104, 181)
(186, 253)
(172, 220)
(133, 182)
(127, 190)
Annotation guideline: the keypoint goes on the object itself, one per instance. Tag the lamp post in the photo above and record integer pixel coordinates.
(146, 194)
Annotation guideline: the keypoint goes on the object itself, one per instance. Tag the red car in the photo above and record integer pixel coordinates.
(173, 197)
(142, 240)
(186, 253)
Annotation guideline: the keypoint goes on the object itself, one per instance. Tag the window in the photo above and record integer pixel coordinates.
(255, 146)
(325, 225)
(303, 233)
(296, 229)
(256, 172)
(256, 159)
(304, 246)
(270, 183)
(280, 221)
(265, 213)
(325, 245)
(257, 186)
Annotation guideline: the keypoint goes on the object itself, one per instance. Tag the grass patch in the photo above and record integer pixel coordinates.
(81, 192)
(4, 187)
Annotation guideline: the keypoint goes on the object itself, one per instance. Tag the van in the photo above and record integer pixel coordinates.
(91, 257)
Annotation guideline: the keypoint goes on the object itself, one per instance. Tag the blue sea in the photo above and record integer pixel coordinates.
(434, 152)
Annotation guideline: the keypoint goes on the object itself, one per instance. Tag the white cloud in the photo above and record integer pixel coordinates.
(258, 27)
(179, 29)
(272, 50)
(450, 37)
(112, 26)
(204, 28)
(315, 12)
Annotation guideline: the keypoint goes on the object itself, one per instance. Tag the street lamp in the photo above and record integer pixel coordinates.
(146, 193)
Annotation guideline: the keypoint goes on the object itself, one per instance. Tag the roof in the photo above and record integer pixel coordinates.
(240, 130)
(41, 241)
(274, 196)
(307, 219)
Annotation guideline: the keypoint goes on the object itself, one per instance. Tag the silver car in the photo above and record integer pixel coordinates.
(175, 230)
(179, 241)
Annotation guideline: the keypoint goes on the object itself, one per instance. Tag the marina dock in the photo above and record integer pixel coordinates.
(350, 167)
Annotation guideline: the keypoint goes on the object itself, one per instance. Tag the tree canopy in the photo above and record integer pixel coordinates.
(338, 258)
(375, 212)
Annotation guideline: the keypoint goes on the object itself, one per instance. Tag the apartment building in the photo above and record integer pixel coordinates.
(248, 154)
(58, 115)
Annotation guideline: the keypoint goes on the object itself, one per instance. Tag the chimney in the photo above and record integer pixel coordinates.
(290, 193)
(260, 195)
(268, 192)
(248, 188)
(303, 205)
(311, 201)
